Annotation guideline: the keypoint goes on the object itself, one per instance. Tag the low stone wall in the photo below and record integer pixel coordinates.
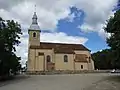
(65, 72)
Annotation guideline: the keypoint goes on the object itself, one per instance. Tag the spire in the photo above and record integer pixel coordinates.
(34, 18)
(34, 25)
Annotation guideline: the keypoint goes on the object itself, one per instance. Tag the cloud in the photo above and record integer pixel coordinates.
(49, 14)
(97, 12)
(71, 17)
(62, 38)
(86, 27)
(9, 3)
(104, 34)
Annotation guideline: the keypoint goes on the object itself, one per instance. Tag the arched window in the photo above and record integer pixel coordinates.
(48, 58)
(65, 58)
(34, 34)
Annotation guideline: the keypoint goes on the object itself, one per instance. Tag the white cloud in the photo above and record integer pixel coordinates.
(97, 12)
(86, 28)
(49, 12)
(22, 49)
(104, 34)
(71, 17)
(62, 38)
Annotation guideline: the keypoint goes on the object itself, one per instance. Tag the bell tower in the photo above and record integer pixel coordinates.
(34, 32)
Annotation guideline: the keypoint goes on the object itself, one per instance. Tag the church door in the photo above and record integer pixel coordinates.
(49, 64)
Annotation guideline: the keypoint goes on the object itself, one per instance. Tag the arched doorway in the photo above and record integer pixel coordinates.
(49, 64)
(48, 58)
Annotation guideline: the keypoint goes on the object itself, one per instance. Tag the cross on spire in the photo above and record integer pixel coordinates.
(35, 7)
(34, 19)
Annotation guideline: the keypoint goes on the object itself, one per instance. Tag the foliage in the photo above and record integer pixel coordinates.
(104, 59)
(10, 32)
(113, 27)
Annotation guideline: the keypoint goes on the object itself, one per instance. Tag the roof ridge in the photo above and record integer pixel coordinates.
(61, 43)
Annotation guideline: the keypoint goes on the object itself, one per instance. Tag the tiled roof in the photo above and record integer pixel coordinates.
(60, 47)
(64, 50)
(81, 58)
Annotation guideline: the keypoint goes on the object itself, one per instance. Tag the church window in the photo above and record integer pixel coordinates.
(34, 34)
(48, 58)
(40, 53)
(65, 58)
(81, 66)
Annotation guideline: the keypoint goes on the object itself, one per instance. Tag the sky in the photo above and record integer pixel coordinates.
(61, 21)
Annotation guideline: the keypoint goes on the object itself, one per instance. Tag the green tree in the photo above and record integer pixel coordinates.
(103, 59)
(113, 27)
(10, 32)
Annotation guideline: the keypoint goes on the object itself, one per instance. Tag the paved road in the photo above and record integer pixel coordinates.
(58, 82)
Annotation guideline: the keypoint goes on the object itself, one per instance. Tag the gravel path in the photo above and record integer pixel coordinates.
(64, 82)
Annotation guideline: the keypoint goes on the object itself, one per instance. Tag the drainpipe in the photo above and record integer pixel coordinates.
(35, 61)
(44, 63)
(74, 61)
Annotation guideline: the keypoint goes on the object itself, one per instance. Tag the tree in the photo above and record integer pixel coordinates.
(113, 27)
(103, 59)
(10, 32)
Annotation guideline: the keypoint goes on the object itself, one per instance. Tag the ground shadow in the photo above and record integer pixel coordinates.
(13, 80)
(115, 78)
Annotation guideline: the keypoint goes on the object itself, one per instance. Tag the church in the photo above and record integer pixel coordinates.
(45, 56)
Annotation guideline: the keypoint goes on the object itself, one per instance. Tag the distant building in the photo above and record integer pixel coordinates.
(43, 56)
